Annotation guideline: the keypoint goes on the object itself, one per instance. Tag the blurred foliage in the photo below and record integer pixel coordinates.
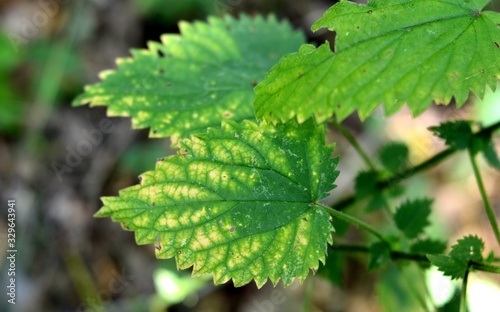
(11, 106)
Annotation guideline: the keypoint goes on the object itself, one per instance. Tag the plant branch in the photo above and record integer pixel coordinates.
(489, 210)
(431, 162)
(395, 255)
(485, 267)
(352, 140)
(350, 219)
(416, 257)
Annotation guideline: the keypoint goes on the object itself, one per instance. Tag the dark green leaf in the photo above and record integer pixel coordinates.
(491, 155)
(449, 266)
(394, 156)
(469, 248)
(412, 217)
(457, 134)
(366, 184)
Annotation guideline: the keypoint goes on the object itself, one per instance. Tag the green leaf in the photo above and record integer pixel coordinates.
(194, 80)
(449, 266)
(490, 154)
(388, 52)
(412, 217)
(366, 184)
(394, 156)
(457, 134)
(468, 249)
(428, 246)
(238, 203)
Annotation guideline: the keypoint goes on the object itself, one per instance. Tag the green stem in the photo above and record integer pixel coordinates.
(420, 258)
(347, 218)
(352, 140)
(408, 173)
(463, 296)
(395, 255)
(489, 210)
(485, 267)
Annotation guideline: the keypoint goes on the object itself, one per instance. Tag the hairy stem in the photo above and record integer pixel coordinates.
(352, 140)
(431, 162)
(489, 210)
(350, 219)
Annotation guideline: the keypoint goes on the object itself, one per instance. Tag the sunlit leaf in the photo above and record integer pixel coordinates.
(238, 203)
(194, 80)
(388, 52)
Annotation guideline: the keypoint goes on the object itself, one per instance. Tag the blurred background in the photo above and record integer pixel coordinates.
(69, 261)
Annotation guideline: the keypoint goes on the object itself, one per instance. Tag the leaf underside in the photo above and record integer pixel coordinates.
(388, 52)
(238, 203)
(194, 80)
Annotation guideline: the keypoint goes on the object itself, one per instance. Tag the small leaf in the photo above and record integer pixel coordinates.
(377, 202)
(380, 254)
(238, 203)
(394, 156)
(366, 184)
(457, 134)
(449, 266)
(412, 217)
(490, 154)
(469, 248)
(387, 52)
(194, 80)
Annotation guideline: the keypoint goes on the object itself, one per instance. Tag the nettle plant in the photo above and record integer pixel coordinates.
(241, 200)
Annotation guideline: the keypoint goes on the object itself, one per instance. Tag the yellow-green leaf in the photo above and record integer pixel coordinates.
(388, 52)
(237, 202)
(196, 79)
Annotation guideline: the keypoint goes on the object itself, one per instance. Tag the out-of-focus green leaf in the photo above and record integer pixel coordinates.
(412, 217)
(394, 156)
